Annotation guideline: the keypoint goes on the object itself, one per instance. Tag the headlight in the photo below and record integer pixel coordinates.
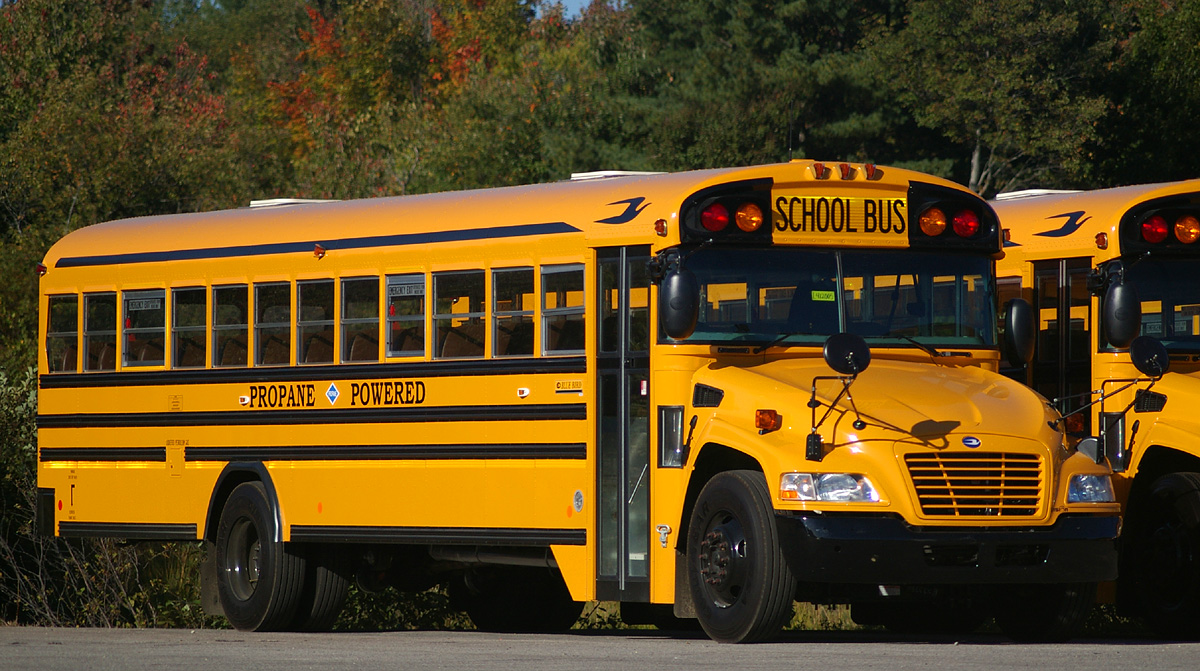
(1090, 489)
(826, 487)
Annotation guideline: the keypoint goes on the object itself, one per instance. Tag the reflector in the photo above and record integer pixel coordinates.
(933, 222)
(715, 217)
(1154, 229)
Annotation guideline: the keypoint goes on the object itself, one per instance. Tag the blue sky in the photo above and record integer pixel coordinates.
(573, 7)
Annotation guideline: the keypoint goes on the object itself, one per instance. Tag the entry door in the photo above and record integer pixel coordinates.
(623, 397)
(1062, 363)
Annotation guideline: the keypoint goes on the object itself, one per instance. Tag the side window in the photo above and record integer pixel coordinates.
(360, 319)
(188, 344)
(314, 321)
(562, 309)
(100, 331)
(272, 324)
(458, 329)
(62, 334)
(406, 315)
(231, 325)
(512, 312)
(145, 328)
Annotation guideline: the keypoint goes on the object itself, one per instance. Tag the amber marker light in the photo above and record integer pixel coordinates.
(1102, 240)
(660, 227)
(847, 170)
(318, 251)
(749, 217)
(933, 222)
(1187, 229)
(818, 169)
(767, 421)
(40, 269)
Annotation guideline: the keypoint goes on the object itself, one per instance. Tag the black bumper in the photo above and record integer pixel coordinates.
(889, 551)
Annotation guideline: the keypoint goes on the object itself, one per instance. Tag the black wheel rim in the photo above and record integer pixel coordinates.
(723, 559)
(242, 558)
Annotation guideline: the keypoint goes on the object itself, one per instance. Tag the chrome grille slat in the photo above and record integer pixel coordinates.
(977, 484)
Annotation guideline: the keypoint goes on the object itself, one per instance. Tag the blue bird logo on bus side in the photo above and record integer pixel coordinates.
(633, 207)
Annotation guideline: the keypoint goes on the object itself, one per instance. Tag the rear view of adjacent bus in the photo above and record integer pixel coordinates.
(1102, 267)
(701, 395)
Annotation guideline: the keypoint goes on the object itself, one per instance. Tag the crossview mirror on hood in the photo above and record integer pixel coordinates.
(847, 353)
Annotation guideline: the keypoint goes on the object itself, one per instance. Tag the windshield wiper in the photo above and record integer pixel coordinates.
(928, 349)
(782, 336)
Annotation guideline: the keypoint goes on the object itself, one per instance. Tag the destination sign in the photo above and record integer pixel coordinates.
(840, 220)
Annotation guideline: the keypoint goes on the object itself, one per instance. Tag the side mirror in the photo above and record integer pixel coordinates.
(1149, 356)
(1019, 332)
(1122, 314)
(679, 303)
(847, 353)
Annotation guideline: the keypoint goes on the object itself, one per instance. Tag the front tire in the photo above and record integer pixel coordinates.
(259, 579)
(1164, 552)
(740, 584)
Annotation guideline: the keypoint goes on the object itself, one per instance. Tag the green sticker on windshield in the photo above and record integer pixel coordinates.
(827, 296)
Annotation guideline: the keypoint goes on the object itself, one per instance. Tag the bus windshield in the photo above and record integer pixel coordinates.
(1170, 302)
(802, 296)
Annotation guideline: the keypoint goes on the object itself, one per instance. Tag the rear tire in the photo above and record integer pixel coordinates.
(740, 584)
(326, 585)
(1044, 613)
(259, 579)
(1164, 556)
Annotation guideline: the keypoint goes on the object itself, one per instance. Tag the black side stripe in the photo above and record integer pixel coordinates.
(139, 531)
(388, 452)
(448, 535)
(569, 365)
(498, 232)
(48, 454)
(384, 415)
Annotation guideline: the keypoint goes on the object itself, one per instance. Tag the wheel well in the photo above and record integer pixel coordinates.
(713, 459)
(230, 478)
(1157, 462)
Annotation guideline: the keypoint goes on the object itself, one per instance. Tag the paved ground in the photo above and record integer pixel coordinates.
(207, 650)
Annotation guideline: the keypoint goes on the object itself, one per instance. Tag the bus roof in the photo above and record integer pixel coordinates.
(1071, 220)
(611, 208)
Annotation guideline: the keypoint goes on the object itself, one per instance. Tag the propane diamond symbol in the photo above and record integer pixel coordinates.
(332, 393)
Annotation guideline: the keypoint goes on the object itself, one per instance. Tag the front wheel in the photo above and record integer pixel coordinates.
(1044, 613)
(1164, 556)
(740, 584)
(259, 579)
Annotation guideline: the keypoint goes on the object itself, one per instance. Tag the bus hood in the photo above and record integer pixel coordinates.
(922, 400)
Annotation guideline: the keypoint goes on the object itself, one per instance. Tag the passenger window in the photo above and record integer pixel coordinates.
(512, 312)
(231, 325)
(314, 321)
(188, 344)
(100, 331)
(458, 328)
(145, 328)
(62, 335)
(406, 315)
(272, 324)
(562, 309)
(360, 319)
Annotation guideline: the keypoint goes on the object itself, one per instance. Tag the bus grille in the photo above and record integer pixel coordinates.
(976, 484)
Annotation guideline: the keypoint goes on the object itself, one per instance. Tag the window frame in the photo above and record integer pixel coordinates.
(497, 314)
(402, 280)
(89, 333)
(348, 343)
(302, 342)
(129, 333)
(548, 314)
(481, 315)
(64, 336)
(219, 330)
(272, 327)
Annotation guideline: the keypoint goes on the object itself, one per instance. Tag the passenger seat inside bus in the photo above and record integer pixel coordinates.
(464, 341)
(808, 314)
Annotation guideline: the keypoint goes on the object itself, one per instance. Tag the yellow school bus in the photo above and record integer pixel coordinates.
(1100, 267)
(702, 395)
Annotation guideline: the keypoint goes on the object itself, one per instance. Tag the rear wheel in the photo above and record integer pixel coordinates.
(741, 587)
(1164, 556)
(326, 585)
(1044, 613)
(517, 599)
(259, 579)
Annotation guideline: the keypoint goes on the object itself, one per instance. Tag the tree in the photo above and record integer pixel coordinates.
(1011, 83)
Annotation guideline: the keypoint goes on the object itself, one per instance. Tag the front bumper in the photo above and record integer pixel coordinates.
(888, 551)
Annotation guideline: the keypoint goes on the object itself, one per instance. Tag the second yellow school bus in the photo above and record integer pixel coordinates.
(1100, 267)
(703, 395)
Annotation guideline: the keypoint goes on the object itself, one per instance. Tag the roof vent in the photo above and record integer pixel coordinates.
(277, 202)
(1032, 193)
(605, 174)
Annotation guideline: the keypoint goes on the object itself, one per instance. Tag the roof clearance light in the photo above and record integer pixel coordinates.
(933, 222)
(749, 217)
(1187, 229)
(1154, 229)
(966, 223)
(715, 217)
